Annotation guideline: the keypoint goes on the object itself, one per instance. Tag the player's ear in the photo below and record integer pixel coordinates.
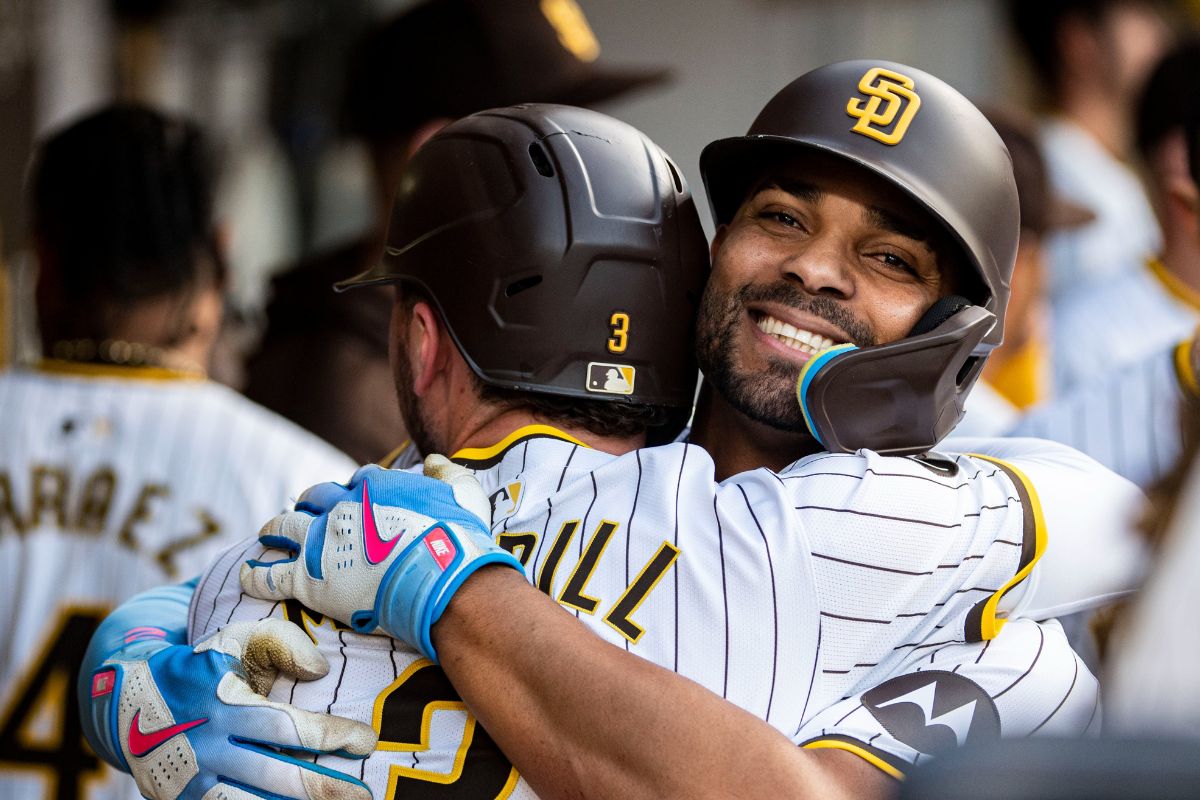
(718, 240)
(428, 346)
(1182, 192)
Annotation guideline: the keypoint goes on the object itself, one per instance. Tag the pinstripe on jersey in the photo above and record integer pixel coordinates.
(114, 480)
(783, 593)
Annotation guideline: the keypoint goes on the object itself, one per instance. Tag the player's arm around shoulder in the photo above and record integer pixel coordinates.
(631, 729)
(1093, 554)
(1025, 682)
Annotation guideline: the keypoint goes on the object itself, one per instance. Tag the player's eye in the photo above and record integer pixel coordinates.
(780, 217)
(896, 262)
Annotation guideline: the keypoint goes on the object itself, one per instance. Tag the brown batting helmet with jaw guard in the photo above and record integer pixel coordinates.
(919, 134)
(561, 247)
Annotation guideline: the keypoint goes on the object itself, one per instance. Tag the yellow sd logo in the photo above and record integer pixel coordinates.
(890, 103)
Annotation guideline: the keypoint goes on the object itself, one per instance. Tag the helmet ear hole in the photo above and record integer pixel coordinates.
(516, 287)
(675, 176)
(939, 312)
(541, 161)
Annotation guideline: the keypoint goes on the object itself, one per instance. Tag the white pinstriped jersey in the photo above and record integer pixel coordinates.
(1025, 682)
(1119, 322)
(114, 480)
(782, 593)
(1128, 419)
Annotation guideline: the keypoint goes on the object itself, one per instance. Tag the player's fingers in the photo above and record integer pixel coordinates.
(287, 776)
(323, 496)
(467, 491)
(269, 581)
(226, 791)
(274, 646)
(291, 728)
(267, 647)
(287, 531)
(321, 785)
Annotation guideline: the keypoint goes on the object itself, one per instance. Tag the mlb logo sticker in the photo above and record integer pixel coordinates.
(440, 547)
(610, 378)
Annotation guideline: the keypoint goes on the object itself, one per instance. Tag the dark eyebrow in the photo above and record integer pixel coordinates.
(798, 189)
(893, 223)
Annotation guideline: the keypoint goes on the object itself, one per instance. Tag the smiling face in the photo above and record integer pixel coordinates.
(820, 253)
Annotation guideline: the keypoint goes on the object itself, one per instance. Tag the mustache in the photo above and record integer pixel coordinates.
(828, 309)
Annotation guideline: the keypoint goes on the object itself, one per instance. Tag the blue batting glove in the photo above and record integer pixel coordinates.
(194, 723)
(385, 552)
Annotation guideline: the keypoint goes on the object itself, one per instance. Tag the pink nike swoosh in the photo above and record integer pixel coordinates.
(141, 744)
(377, 550)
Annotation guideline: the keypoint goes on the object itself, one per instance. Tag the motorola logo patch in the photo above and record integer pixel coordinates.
(934, 711)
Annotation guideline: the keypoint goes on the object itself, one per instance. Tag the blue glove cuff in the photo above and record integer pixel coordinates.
(417, 574)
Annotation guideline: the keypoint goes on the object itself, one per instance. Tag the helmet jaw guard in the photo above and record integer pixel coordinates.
(923, 137)
(520, 223)
(900, 398)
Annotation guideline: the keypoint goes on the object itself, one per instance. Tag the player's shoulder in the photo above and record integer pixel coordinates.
(1020, 451)
(1025, 682)
(949, 469)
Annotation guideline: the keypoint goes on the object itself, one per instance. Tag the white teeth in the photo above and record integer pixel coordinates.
(793, 337)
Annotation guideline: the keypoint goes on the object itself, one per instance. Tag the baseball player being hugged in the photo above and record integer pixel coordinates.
(812, 596)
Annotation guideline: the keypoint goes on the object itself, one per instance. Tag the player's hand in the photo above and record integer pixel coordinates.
(194, 723)
(386, 551)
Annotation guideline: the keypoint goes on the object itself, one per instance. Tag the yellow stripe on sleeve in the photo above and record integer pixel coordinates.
(1184, 368)
(1176, 287)
(861, 752)
(989, 624)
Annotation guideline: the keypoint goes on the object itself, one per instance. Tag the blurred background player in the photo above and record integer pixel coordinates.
(1155, 302)
(1133, 332)
(122, 467)
(1018, 373)
(1091, 58)
(434, 63)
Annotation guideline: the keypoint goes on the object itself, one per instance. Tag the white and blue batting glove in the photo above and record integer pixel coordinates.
(193, 723)
(384, 552)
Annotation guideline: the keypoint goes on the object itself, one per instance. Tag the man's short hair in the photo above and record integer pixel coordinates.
(598, 417)
(1169, 101)
(1036, 23)
(122, 200)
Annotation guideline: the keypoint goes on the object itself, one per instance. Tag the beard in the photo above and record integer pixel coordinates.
(768, 395)
(410, 408)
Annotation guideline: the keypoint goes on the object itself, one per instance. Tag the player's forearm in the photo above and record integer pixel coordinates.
(579, 717)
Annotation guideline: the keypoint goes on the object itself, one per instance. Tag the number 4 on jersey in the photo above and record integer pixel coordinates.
(40, 730)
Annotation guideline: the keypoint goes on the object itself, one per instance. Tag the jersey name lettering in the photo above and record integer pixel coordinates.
(619, 616)
(64, 502)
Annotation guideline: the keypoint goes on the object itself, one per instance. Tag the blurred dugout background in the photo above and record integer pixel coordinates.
(263, 77)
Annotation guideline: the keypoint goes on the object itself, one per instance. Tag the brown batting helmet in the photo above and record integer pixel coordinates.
(562, 248)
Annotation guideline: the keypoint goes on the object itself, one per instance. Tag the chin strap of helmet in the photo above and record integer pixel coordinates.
(899, 398)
